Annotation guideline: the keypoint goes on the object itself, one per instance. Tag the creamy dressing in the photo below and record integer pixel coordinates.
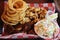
(47, 28)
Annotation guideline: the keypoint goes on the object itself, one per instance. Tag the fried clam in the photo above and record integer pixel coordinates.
(36, 14)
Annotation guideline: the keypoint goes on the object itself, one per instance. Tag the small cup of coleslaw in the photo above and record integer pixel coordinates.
(46, 29)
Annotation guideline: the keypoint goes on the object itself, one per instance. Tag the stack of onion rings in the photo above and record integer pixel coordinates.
(12, 10)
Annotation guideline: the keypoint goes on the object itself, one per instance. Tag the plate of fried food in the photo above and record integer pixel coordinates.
(18, 17)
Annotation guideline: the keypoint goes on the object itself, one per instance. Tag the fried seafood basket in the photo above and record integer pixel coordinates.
(26, 30)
